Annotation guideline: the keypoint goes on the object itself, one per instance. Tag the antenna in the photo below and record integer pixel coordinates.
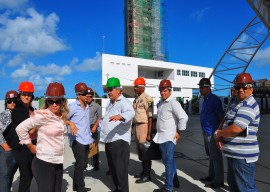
(103, 43)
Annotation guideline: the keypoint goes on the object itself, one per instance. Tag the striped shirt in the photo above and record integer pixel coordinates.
(246, 115)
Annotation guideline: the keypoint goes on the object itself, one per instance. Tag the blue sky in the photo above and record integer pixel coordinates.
(47, 41)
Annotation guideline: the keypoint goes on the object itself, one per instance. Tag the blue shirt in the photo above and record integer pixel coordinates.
(117, 130)
(80, 117)
(211, 114)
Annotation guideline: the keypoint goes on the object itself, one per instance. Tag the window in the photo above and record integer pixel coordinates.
(185, 73)
(160, 73)
(194, 74)
(178, 72)
(201, 74)
(176, 89)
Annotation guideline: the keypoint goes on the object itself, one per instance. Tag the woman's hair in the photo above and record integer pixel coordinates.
(64, 108)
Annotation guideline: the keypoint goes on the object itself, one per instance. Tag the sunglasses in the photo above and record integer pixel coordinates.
(82, 94)
(57, 102)
(238, 87)
(91, 96)
(27, 94)
(9, 101)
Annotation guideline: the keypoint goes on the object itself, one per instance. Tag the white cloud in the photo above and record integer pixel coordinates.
(198, 15)
(29, 70)
(263, 57)
(16, 60)
(12, 4)
(90, 64)
(33, 34)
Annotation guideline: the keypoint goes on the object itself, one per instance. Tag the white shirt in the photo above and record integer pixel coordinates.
(170, 118)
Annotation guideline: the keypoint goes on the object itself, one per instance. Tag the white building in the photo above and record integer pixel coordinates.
(184, 77)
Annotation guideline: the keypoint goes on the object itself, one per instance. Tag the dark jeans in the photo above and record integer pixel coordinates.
(80, 153)
(216, 170)
(118, 153)
(48, 175)
(7, 165)
(24, 159)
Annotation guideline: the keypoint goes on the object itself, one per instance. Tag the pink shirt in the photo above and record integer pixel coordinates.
(51, 135)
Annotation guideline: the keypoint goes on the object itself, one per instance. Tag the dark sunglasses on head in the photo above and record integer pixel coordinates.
(26, 94)
(9, 101)
(57, 102)
(238, 87)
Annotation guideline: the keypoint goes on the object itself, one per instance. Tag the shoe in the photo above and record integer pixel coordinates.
(206, 179)
(143, 179)
(176, 183)
(161, 190)
(82, 190)
(214, 185)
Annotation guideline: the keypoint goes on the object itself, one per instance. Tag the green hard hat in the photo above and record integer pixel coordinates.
(113, 82)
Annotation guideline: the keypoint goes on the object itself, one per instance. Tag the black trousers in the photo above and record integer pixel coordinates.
(80, 153)
(24, 159)
(118, 153)
(49, 176)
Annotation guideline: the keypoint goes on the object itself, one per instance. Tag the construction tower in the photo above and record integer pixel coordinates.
(144, 29)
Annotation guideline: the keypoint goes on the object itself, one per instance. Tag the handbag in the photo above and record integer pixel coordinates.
(149, 151)
(93, 149)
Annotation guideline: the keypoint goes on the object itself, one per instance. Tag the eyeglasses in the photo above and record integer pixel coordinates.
(9, 101)
(91, 96)
(57, 102)
(26, 94)
(137, 86)
(202, 87)
(238, 87)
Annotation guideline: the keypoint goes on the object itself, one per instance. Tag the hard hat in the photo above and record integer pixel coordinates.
(165, 84)
(26, 87)
(11, 94)
(205, 82)
(55, 90)
(80, 87)
(139, 81)
(90, 91)
(113, 82)
(243, 78)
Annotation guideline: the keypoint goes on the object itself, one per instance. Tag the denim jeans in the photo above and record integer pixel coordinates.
(167, 150)
(7, 164)
(240, 175)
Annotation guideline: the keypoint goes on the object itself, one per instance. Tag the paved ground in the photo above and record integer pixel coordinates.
(190, 158)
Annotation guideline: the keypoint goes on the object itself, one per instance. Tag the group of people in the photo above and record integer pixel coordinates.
(33, 141)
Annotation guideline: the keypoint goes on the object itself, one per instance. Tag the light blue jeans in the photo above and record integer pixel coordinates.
(167, 150)
(240, 175)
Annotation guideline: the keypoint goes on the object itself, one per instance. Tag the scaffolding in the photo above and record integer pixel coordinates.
(144, 29)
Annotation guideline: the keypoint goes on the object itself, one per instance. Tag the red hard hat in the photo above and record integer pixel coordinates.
(165, 84)
(80, 87)
(139, 81)
(55, 90)
(26, 87)
(243, 78)
(90, 91)
(11, 94)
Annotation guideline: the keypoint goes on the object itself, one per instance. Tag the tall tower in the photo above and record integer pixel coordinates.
(144, 29)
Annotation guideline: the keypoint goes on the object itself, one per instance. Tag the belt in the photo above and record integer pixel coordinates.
(139, 123)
